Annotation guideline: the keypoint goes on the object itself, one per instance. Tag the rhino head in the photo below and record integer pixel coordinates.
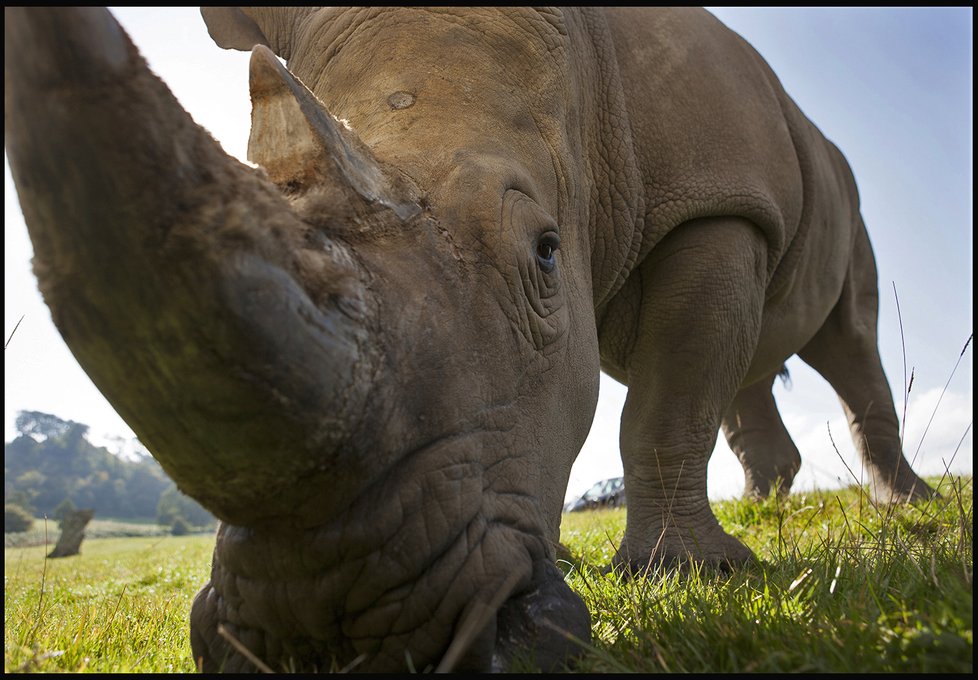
(374, 355)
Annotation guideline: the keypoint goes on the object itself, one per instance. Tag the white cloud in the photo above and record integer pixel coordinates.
(934, 430)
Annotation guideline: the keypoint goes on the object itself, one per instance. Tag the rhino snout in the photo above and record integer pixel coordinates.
(545, 626)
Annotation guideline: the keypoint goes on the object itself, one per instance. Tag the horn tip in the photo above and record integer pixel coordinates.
(265, 71)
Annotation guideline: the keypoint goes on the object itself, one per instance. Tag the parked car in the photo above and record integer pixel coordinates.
(608, 493)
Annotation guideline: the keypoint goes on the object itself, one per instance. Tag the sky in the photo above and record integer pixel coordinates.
(892, 88)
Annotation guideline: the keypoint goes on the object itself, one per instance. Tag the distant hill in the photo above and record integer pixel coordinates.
(51, 461)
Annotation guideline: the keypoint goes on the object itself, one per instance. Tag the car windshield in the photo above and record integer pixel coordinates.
(603, 488)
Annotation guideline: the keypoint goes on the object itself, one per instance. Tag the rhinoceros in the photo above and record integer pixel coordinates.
(374, 353)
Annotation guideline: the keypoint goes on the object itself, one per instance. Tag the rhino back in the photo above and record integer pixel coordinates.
(711, 132)
(716, 134)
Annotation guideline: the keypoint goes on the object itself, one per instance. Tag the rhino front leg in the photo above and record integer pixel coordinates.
(845, 352)
(702, 296)
(756, 433)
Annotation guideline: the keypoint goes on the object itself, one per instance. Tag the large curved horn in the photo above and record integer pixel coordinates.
(223, 328)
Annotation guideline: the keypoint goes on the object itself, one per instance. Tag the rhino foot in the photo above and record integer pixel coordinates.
(905, 491)
(719, 551)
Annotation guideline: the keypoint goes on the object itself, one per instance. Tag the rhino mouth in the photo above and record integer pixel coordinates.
(433, 571)
(543, 627)
(541, 624)
(547, 626)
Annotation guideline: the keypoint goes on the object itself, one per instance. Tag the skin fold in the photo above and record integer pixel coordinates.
(375, 356)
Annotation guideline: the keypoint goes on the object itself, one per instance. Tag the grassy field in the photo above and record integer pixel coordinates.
(122, 605)
(840, 586)
(46, 531)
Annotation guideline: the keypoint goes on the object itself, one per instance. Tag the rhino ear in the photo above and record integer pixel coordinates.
(232, 29)
(241, 28)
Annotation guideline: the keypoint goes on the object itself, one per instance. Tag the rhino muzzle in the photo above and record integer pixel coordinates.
(299, 607)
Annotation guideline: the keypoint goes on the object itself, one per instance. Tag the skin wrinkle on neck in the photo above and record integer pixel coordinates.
(352, 528)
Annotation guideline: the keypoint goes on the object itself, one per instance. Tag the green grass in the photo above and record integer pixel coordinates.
(122, 605)
(840, 586)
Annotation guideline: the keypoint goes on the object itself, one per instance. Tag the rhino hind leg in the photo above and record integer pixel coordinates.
(757, 435)
(845, 352)
(682, 372)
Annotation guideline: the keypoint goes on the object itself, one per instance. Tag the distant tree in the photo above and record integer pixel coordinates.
(29, 486)
(16, 519)
(180, 527)
(174, 504)
(36, 424)
(144, 486)
(52, 460)
(72, 533)
(64, 508)
(19, 497)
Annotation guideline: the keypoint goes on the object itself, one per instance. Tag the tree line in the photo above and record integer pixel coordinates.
(51, 466)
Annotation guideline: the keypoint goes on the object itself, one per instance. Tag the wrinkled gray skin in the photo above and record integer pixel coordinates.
(376, 357)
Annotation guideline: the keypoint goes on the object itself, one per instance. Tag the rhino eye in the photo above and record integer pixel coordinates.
(547, 246)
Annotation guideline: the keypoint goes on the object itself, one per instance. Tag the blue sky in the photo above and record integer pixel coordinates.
(892, 88)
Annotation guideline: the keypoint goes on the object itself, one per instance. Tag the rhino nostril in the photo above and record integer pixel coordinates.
(548, 625)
